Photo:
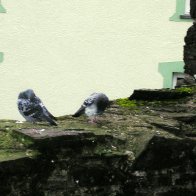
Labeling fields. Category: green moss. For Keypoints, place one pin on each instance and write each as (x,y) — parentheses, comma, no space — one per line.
(185,90)
(125,102)
(23,140)
(7,141)
(6,155)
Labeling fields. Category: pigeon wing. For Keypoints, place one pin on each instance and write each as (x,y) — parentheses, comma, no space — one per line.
(46,115)
(46,112)
(29,109)
(36,111)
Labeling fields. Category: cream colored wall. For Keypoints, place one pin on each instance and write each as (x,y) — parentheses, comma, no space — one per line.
(67,49)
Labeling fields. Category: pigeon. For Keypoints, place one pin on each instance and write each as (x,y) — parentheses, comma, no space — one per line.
(32,109)
(94,105)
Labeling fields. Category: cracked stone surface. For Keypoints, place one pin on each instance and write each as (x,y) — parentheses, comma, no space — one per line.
(138,147)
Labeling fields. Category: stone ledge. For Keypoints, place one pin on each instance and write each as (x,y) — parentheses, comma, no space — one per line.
(158,94)
(49,139)
(43,134)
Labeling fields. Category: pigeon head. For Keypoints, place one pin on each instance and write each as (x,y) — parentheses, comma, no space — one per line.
(28,94)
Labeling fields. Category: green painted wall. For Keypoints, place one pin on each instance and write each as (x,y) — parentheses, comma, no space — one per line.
(1,57)
(166,69)
(180,7)
(2,9)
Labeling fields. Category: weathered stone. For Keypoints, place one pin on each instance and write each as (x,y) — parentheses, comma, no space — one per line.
(163,165)
(186,118)
(193,9)
(44,134)
(164,94)
(190,49)
(189,79)
(190,37)
(138,148)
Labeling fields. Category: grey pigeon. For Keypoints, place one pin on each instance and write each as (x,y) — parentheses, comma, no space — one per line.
(32,109)
(94,105)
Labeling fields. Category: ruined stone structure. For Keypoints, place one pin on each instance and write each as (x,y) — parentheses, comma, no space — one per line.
(190,49)
(193,9)
(139,148)
(144,145)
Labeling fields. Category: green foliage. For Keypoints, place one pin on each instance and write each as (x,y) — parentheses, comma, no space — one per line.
(125,102)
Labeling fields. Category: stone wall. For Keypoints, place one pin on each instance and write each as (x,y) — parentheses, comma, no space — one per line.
(190,49)
(193,9)
(138,148)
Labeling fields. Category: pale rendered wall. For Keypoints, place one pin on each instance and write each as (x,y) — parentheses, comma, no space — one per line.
(67,49)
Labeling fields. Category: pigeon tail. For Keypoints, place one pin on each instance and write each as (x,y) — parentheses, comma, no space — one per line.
(51,116)
(48,113)
(52,122)
(79,112)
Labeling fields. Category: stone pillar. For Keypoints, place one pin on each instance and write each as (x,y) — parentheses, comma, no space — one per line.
(190,48)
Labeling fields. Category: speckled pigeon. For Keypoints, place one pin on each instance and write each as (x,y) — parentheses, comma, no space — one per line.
(32,109)
(94,105)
